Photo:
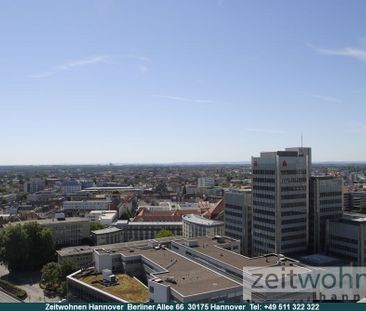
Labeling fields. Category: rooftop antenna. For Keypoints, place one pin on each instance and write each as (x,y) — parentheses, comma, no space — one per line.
(302,138)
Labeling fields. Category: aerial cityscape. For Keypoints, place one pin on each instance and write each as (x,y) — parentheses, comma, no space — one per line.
(204,154)
(176,227)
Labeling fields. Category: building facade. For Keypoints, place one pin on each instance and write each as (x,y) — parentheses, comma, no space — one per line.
(86,206)
(238,218)
(196,226)
(326,202)
(346,238)
(110,235)
(281,201)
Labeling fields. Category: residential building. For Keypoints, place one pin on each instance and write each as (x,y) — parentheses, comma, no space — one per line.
(196,226)
(281,201)
(326,202)
(238,218)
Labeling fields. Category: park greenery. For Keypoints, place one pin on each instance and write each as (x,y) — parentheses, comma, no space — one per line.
(96,225)
(163,233)
(26,246)
(53,278)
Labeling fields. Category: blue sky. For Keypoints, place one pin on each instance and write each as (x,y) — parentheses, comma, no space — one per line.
(169,81)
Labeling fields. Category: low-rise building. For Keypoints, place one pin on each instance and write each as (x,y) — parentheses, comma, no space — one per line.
(135,231)
(81,255)
(196,226)
(86,206)
(180,270)
(106,218)
(67,232)
(108,235)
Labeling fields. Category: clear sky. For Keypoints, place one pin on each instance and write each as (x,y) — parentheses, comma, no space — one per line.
(178,81)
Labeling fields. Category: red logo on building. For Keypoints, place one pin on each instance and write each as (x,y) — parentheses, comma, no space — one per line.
(284,163)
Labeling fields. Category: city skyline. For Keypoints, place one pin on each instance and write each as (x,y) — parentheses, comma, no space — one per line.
(89,82)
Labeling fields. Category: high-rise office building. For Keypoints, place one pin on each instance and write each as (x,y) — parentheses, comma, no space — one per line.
(346,238)
(281,201)
(326,202)
(238,218)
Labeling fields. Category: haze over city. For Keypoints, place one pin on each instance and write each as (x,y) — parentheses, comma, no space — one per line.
(180,81)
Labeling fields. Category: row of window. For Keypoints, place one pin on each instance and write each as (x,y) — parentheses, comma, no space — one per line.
(293,188)
(293,172)
(263,196)
(293,196)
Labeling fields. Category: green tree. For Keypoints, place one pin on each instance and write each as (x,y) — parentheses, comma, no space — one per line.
(96,225)
(26,247)
(22,196)
(51,276)
(40,245)
(14,247)
(54,276)
(163,233)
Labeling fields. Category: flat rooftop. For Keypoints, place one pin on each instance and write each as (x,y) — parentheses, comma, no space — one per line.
(155,223)
(51,221)
(128,288)
(128,188)
(106,230)
(213,248)
(75,250)
(188,275)
(199,220)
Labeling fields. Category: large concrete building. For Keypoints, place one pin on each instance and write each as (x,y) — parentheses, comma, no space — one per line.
(67,232)
(281,201)
(326,202)
(178,270)
(346,238)
(70,186)
(196,226)
(354,199)
(34,185)
(238,218)
(136,231)
(86,206)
